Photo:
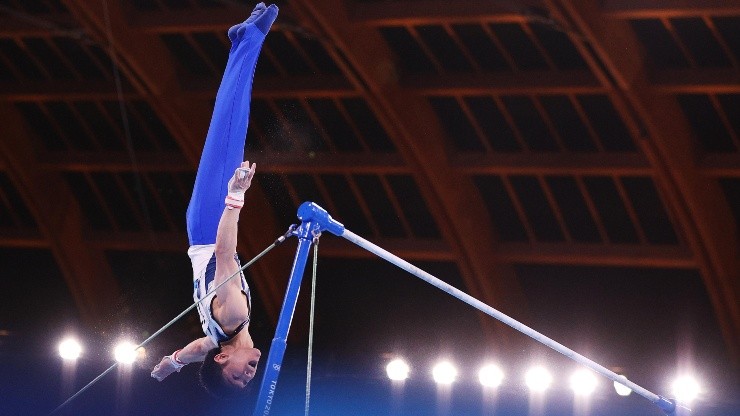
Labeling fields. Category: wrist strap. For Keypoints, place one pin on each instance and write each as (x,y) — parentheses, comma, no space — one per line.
(175,361)
(234,201)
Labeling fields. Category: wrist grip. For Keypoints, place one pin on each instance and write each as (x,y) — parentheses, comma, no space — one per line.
(175,361)
(234,200)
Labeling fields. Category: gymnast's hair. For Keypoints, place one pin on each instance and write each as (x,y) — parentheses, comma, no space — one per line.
(212,379)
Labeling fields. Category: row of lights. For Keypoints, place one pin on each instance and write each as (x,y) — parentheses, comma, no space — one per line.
(583,382)
(125,352)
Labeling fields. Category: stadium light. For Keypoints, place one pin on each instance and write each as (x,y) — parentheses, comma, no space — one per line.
(538,379)
(583,382)
(125,352)
(490,375)
(686,389)
(397,370)
(70,349)
(622,390)
(444,373)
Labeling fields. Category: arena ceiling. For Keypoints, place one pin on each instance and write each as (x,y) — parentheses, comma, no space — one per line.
(555,159)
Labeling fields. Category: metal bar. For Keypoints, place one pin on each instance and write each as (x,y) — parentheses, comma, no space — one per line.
(434,281)
(315,220)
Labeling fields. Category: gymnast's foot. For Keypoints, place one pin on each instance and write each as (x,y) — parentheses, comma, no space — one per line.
(262,17)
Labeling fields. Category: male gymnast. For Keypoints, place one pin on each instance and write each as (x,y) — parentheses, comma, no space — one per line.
(229,359)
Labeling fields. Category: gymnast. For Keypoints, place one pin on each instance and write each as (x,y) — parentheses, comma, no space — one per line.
(229,359)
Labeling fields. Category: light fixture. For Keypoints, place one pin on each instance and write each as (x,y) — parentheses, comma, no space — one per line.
(125,352)
(621,389)
(444,373)
(397,370)
(70,349)
(538,379)
(490,375)
(686,389)
(583,382)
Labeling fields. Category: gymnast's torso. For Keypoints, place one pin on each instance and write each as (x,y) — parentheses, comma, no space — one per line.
(204,270)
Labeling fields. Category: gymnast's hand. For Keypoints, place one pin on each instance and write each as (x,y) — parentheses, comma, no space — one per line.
(242,179)
(165,368)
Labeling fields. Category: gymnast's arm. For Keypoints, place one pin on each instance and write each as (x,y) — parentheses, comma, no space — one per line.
(193,352)
(229,307)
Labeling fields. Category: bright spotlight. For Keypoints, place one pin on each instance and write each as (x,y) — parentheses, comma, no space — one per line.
(70,349)
(686,389)
(490,375)
(621,389)
(444,373)
(125,352)
(397,370)
(538,379)
(583,382)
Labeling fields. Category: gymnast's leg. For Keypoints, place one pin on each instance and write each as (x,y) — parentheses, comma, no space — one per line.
(223,151)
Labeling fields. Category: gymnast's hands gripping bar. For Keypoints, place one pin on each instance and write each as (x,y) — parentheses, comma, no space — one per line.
(309,211)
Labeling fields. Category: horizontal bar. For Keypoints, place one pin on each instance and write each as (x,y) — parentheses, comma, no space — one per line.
(434,281)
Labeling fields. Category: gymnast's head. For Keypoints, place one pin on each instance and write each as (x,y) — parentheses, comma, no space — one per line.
(227,370)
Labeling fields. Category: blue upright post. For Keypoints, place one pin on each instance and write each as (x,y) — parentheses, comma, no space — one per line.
(314,220)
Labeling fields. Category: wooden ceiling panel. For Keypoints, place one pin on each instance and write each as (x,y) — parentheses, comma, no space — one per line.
(615,51)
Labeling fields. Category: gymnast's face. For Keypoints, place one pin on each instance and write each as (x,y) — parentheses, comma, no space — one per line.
(238,366)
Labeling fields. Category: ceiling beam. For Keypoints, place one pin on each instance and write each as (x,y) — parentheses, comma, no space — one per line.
(202,89)
(164,242)
(77,90)
(146,60)
(599,255)
(672,257)
(726,165)
(13,238)
(112,161)
(330,247)
(667,81)
(60,220)
(186,20)
(652,9)
(453,200)
(192,20)
(530,82)
(696,203)
(555,164)
(674,81)
(578,164)
(312,86)
(23,25)
(426,12)
(269,162)
(696,81)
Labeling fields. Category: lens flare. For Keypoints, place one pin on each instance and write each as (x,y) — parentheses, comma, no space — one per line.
(70,349)
(583,382)
(538,379)
(397,370)
(686,389)
(125,352)
(444,373)
(490,375)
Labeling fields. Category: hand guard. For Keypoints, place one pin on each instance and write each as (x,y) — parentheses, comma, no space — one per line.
(238,185)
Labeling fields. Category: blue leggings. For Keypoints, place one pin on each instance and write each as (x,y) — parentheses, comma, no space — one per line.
(223,151)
